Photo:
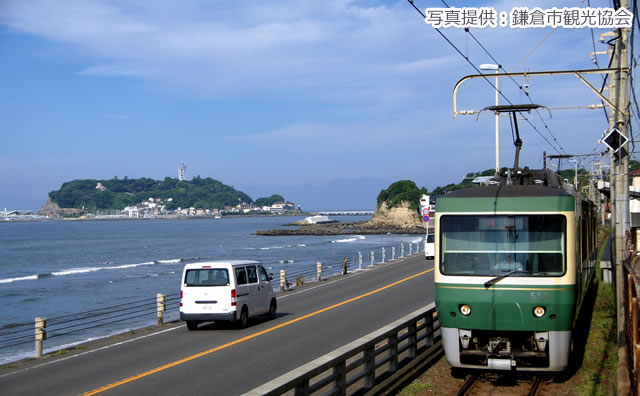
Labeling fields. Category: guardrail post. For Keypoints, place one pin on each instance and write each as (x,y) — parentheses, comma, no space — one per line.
(369,370)
(383,255)
(319,270)
(428,325)
(372,257)
(392,340)
(393,252)
(283,279)
(412,340)
(340,375)
(302,389)
(160,304)
(41,335)
(402,249)
(359,260)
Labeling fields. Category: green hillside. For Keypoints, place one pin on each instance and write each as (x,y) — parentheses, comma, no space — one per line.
(119,193)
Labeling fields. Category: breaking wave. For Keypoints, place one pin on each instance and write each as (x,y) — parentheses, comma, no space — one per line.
(85,270)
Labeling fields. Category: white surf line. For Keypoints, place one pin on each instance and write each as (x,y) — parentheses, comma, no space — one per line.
(91,351)
(357,272)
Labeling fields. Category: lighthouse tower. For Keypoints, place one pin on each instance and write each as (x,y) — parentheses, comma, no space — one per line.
(182,171)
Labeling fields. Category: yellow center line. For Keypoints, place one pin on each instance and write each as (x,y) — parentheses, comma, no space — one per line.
(238,341)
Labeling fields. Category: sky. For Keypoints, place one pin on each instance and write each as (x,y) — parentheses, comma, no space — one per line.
(324,102)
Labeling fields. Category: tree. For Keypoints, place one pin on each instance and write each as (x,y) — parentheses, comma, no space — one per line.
(268,201)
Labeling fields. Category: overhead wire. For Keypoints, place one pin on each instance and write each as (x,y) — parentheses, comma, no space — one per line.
(518,84)
(559,148)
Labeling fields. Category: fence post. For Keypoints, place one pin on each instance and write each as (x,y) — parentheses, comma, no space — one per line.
(402,249)
(428,321)
(359,260)
(372,257)
(369,370)
(410,248)
(283,279)
(340,381)
(392,340)
(383,255)
(412,340)
(41,335)
(393,252)
(160,304)
(319,270)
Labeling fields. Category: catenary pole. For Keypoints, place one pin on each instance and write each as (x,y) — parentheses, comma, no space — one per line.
(618,118)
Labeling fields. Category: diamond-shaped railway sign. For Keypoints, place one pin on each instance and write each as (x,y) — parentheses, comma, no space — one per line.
(615,140)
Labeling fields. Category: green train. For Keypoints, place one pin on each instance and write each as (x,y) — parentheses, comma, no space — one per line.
(513,262)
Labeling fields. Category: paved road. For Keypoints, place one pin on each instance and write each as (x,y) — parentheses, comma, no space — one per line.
(223,360)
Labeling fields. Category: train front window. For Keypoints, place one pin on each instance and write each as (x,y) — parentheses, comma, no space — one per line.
(529,245)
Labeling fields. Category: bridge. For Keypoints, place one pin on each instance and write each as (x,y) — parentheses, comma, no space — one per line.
(346,212)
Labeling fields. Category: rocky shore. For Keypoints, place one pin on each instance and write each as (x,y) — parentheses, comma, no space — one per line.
(344,228)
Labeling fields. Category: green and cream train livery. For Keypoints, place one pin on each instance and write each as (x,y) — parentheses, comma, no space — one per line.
(513,261)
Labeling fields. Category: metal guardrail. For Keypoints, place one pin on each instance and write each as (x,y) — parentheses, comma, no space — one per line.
(298,275)
(366,365)
(64,326)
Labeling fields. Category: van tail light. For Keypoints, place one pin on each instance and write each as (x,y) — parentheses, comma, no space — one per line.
(233,297)
(181,297)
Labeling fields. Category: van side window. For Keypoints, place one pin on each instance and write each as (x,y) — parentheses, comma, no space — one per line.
(251,272)
(263,274)
(241,276)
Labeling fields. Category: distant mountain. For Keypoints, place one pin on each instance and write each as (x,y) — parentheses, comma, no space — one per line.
(91,194)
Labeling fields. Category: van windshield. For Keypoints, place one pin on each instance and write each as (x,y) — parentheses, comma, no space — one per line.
(207,277)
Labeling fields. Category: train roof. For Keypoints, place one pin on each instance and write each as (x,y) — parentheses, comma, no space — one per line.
(524,183)
(526,191)
(507,191)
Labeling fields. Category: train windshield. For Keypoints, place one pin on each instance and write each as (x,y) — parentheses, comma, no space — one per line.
(528,245)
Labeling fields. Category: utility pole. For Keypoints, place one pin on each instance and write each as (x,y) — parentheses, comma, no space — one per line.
(618,118)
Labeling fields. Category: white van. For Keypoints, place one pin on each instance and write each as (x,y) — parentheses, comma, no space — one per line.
(230,290)
(429,246)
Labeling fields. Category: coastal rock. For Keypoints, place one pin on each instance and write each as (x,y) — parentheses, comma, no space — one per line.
(49,208)
(401,216)
(52,209)
(346,228)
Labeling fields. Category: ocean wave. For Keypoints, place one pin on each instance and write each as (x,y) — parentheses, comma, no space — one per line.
(275,247)
(286,261)
(85,270)
(21,278)
(351,239)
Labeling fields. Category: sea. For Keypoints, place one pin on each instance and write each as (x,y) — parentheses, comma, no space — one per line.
(57,269)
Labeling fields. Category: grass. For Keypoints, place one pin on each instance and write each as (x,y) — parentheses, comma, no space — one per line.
(417,388)
(597,374)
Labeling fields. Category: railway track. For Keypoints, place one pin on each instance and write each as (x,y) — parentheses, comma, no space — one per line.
(487,383)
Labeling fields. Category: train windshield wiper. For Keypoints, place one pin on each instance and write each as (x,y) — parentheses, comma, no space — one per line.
(498,278)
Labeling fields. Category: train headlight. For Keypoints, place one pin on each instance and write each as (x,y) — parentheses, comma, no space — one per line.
(539,311)
(465,310)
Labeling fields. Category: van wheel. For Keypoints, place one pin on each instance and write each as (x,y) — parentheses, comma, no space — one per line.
(192,324)
(244,318)
(272,309)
